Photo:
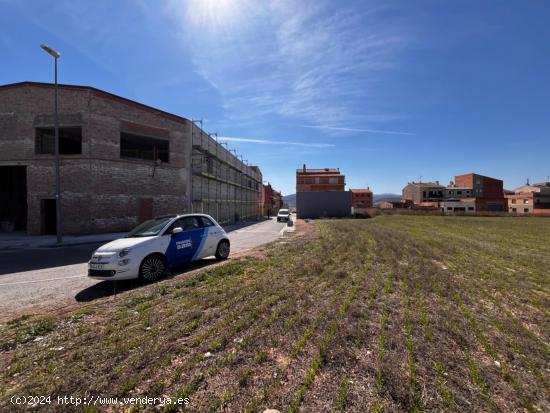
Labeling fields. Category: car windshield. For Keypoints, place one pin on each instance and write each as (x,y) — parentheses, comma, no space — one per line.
(149,228)
(283,211)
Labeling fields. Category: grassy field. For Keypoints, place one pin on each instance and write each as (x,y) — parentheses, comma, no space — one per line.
(396,313)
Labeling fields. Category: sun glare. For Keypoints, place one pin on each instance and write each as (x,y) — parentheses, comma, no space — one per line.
(213,12)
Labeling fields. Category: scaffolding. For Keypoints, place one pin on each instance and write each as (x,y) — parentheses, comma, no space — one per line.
(223,184)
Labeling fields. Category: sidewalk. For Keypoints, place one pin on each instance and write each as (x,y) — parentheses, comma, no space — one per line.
(10,241)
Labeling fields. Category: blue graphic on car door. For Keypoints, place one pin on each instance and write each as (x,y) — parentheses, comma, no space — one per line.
(184,246)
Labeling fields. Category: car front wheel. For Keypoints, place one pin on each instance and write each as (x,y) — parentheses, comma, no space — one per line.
(222,252)
(152,268)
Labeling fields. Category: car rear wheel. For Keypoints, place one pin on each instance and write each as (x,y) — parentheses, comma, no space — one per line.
(222,252)
(152,268)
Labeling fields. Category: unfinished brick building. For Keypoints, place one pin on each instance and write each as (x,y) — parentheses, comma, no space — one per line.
(121,162)
(488,192)
(361,198)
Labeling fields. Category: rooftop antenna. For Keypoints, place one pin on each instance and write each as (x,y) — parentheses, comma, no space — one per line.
(420,179)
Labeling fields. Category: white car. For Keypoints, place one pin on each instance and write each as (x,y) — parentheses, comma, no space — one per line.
(157,245)
(283,215)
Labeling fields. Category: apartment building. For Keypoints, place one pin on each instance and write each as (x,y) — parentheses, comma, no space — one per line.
(319,180)
(530,199)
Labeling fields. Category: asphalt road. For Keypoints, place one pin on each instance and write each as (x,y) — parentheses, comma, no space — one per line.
(52,278)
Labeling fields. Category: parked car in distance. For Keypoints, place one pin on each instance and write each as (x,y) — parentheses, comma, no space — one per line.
(283,215)
(157,245)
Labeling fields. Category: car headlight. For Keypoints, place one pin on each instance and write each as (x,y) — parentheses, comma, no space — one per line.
(124,252)
(124,261)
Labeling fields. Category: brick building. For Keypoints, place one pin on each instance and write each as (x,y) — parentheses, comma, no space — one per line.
(419,192)
(121,162)
(321,193)
(361,198)
(488,192)
(319,180)
(530,199)
(272,201)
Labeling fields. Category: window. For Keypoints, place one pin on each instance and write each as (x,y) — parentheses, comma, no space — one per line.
(209,165)
(513,201)
(140,147)
(470,208)
(186,224)
(525,209)
(70,140)
(333,180)
(449,208)
(150,228)
(206,222)
(514,210)
(459,192)
(526,201)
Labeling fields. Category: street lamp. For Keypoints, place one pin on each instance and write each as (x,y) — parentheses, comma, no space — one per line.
(56,55)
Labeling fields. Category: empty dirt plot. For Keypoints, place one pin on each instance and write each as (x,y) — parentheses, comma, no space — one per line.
(396,313)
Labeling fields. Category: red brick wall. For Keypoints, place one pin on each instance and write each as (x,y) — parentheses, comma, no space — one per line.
(318,182)
(364,198)
(100,191)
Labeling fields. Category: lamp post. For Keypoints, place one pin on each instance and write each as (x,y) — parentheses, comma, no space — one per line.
(56,55)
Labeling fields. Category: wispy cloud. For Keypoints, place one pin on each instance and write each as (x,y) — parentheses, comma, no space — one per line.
(274,142)
(311,60)
(360,130)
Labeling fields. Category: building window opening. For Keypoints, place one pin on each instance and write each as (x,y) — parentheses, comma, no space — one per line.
(209,165)
(141,147)
(70,140)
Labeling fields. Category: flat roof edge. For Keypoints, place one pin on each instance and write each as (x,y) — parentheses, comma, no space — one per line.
(98,91)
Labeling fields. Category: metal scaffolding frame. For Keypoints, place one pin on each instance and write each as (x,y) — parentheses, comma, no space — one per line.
(223,184)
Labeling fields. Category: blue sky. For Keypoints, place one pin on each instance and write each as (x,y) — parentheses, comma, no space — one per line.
(387,91)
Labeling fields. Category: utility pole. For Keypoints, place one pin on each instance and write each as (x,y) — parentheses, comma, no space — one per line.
(56,55)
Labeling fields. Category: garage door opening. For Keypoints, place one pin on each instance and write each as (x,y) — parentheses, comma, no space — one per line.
(49,217)
(13,198)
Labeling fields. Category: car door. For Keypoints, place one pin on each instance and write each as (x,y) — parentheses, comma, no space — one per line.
(210,238)
(183,246)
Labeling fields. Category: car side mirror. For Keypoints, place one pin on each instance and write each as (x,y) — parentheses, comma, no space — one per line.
(177,230)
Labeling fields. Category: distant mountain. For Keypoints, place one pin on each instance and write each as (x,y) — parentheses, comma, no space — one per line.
(290,200)
(379,198)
